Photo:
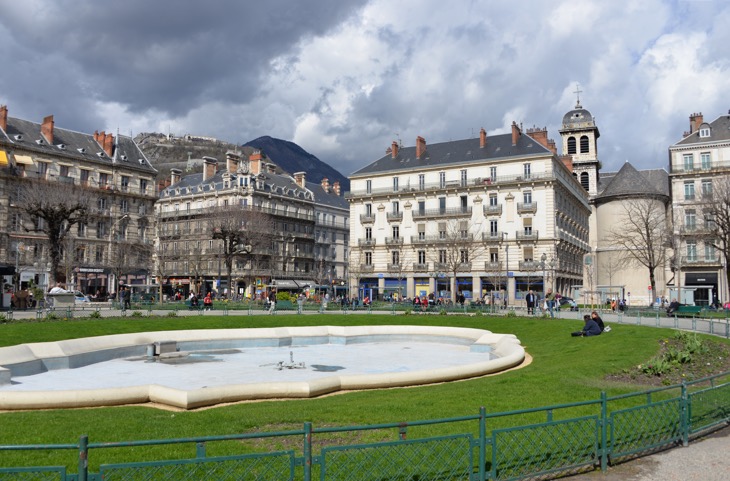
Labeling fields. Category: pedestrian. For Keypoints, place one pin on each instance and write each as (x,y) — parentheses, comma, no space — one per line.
(300,303)
(530,298)
(272,302)
(550,300)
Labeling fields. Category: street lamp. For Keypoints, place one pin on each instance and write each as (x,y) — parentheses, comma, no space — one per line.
(506,269)
(543,258)
(111,235)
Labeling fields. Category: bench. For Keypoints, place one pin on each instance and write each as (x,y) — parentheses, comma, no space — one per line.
(685,311)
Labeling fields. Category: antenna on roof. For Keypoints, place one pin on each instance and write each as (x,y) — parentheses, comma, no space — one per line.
(397,136)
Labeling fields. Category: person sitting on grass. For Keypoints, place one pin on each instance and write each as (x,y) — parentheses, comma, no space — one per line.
(589,329)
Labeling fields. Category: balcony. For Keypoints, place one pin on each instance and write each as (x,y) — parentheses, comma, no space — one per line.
(366,242)
(367,268)
(395,267)
(530,266)
(492,266)
(526,207)
(419,239)
(450,212)
(367,218)
(700,260)
(527,236)
(493,209)
(65,179)
(492,236)
(393,241)
(420,267)
(694,229)
(395,216)
(440,266)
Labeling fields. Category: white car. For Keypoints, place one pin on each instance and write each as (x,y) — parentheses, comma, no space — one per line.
(81,298)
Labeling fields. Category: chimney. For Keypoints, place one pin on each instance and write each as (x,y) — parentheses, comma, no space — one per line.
(326,184)
(695,120)
(210,165)
(99,137)
(420,146)
(336,187)
(4,118)
(300,178)
(255,162)
(96,135)
(109,144)
(540,136)
(175,175)
(553,148)
(567,161)
(232,160)
(47,128)
(515,133)
(394,149)
(272,168)
(482,138)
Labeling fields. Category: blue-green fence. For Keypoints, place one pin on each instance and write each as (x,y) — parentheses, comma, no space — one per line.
(545,441)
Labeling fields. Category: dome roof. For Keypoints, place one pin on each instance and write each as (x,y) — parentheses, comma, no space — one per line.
(578,117)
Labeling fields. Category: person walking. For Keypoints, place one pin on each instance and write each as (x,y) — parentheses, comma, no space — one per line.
(530,298)
(550,300)
(272,302)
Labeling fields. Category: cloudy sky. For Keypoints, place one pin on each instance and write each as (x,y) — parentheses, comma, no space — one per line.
(344,78)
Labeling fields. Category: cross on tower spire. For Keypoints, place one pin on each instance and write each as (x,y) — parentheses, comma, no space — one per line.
(577,93)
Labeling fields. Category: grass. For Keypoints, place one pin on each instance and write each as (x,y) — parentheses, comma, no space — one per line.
(564,370)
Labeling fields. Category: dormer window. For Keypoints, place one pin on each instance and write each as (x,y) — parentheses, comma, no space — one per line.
(61,146)
(100,154)
(19,137)
(704,132)
(123,157)
(39,141)
(81,150)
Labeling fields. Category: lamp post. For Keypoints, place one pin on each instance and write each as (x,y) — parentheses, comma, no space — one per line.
(543,258)
(506,269)
(111,253)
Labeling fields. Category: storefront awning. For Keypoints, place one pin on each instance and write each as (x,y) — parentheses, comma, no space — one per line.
(292,284)
(3,158)
(23,159)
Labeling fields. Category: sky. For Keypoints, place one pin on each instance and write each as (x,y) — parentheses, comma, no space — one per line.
(345,78)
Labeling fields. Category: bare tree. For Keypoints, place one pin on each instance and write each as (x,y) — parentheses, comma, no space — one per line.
(456,250)
(355,269)
(242,231)
(642,234)
(716,210)
(397,265)
(53,209)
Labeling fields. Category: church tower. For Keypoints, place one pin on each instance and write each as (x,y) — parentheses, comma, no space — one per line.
(580,142)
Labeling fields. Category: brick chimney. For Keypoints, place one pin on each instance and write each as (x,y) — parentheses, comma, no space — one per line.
(515,133)
(300,178)
(109,144)
(47,128)
(420,146)
(255,162)
(99,137)
(540,135)
(482,138)
(175,176)
(553,148)
(326,184)
(394,149)
(567,161)
(336,187)
(4,118)
(210,165)
(232,160)
(695,120)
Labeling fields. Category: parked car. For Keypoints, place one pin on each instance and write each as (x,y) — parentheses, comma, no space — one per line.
(80,298)
(567,303)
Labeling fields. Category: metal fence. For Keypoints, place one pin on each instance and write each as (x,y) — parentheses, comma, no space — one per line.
(542,442)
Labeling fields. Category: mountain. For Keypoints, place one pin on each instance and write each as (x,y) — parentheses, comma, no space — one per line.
(292,158)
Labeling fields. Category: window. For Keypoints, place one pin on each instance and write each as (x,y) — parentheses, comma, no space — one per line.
(442,256)
(585,180)
(493,255)
(84,177)
(492,200)
(709,252)
(705,132)
(442,180)
(527,226)
(707,188)
(81,229)
(691,251)
(709,221)
(690,219)
(421,231)
(421,182)
(368,233)
(527,197)
(421,257)
(493,228)
(99,254)
(689,190)
(464,200)
(42,170)
(442,204)
(706,160)
(395,231)
(100,229)
(368,258)
(526,170)
(463,256)
(124,205)
(142,186)
(464,229)
(395,184)
(463,177)
(124,183)
(584,144)
(395,258)
(142,231)
(368,210)
(528,254)
(39,223)
(422,207)
(369,186)
(442,230)
(103,180)
(689,162)
(396,207)
(571,146)
(493,174)
(64,171)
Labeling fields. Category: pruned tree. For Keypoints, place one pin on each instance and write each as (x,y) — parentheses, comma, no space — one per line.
(53,209)
(242,231)
(355,269)
(399,259)
(456,250)
(716,210)
(642,232)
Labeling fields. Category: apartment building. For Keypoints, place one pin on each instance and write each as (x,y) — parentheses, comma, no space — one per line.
(306,234)
(699,164)
(488,216)
(111,170)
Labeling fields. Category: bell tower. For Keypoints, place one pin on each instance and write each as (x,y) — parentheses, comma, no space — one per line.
(579,135)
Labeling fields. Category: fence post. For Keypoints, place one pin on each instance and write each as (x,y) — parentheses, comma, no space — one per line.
(604,432)
(307,451)
(83,457)
(684,415)
(482,444)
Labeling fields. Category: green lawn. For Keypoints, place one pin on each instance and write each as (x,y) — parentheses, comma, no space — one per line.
(563,370)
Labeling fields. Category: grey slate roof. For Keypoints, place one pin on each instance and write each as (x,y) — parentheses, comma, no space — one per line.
(719,131)
(456,152)
(24,134)
(629,182)
(330,199)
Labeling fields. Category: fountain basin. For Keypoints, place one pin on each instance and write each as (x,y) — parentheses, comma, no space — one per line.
(389,358)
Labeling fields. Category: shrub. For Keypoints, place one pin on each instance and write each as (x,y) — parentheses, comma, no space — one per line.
(408,312)
(52,316)
(283,296)
(172,314)
(136,314)
(95,315)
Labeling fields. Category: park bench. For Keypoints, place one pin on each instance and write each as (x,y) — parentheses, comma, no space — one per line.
(687,311)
